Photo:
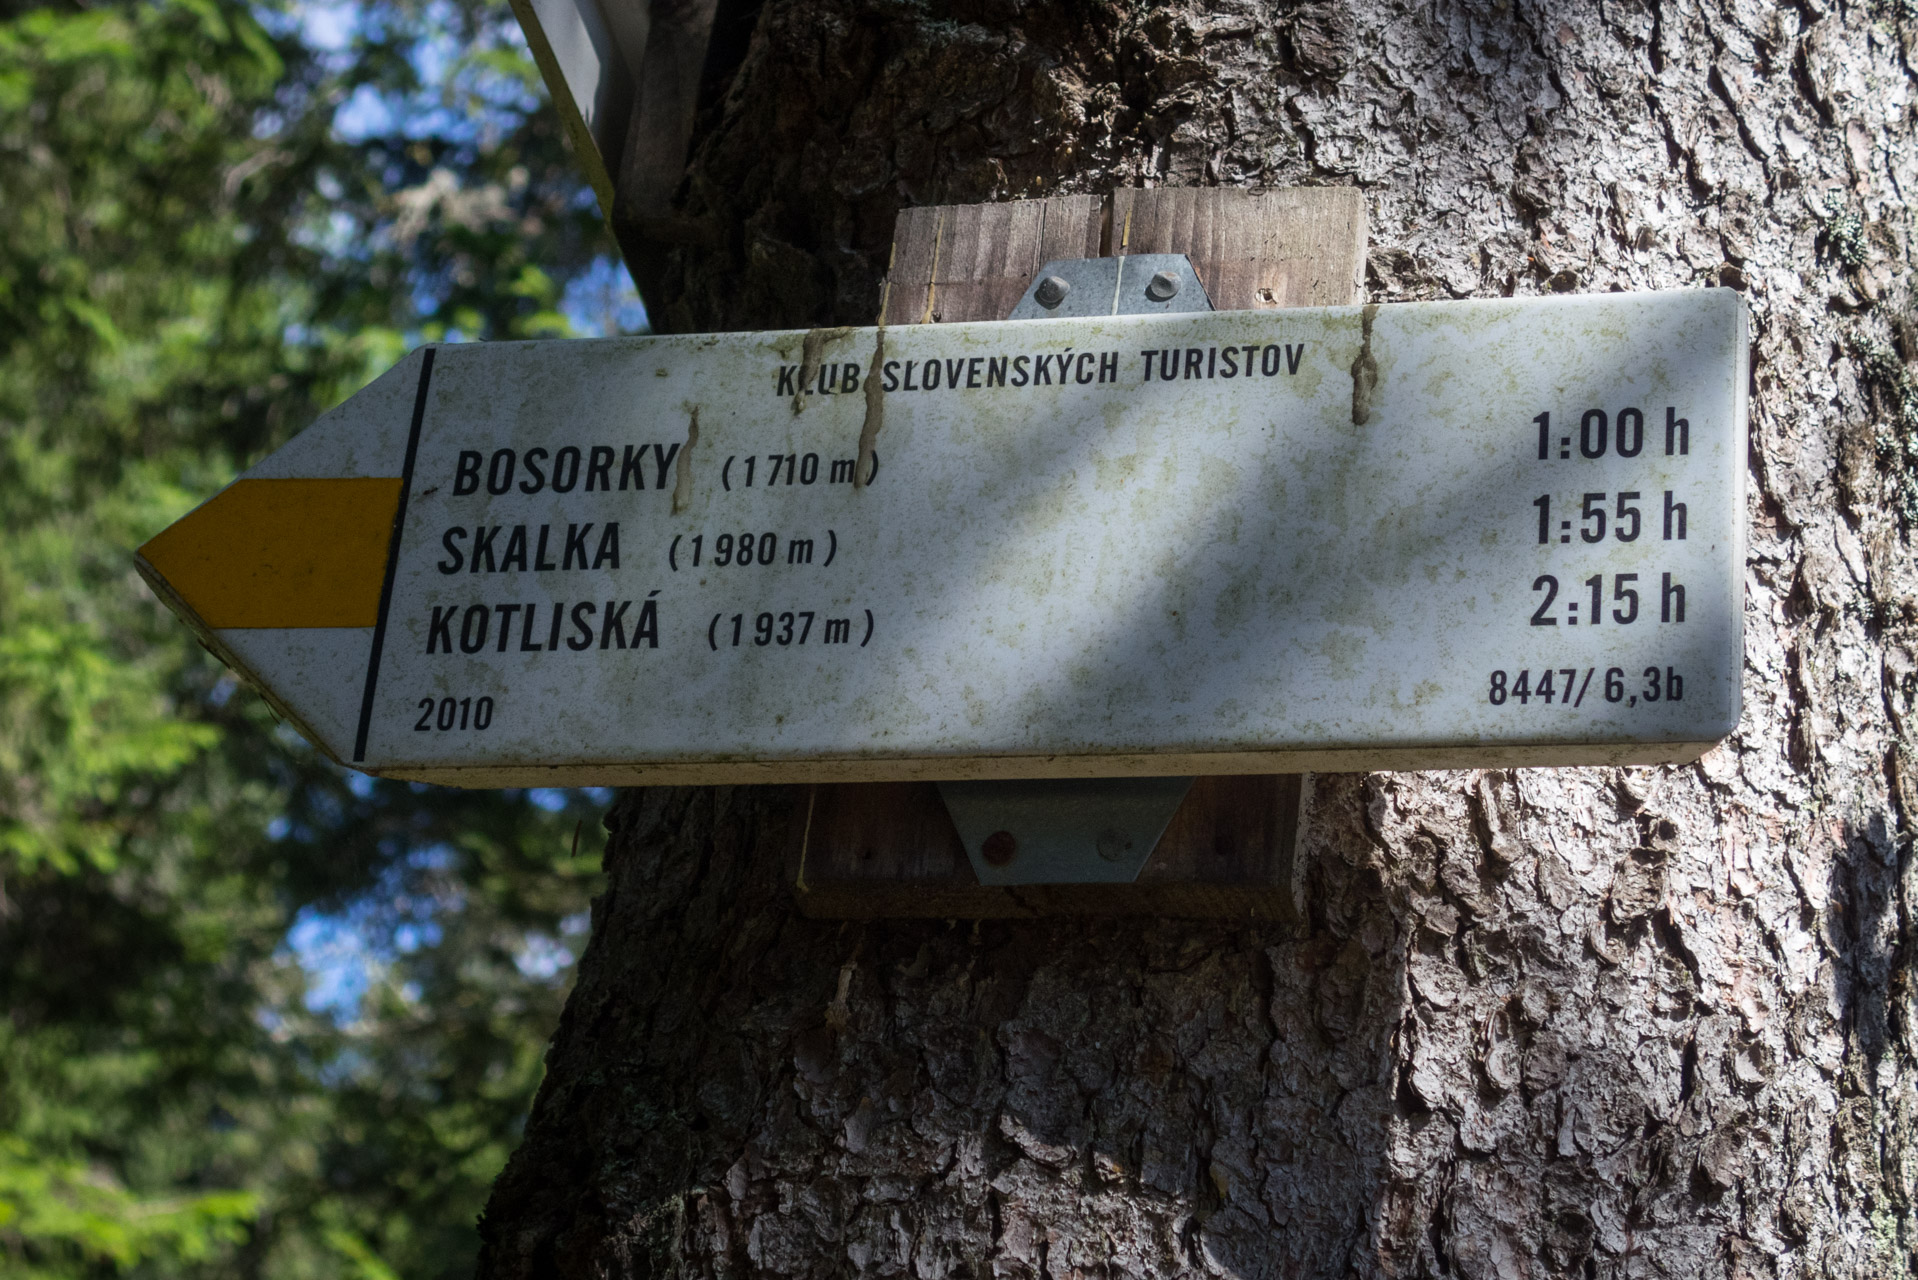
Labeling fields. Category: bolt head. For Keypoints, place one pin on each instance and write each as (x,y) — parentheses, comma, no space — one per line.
(1163,287)
(999,849)
(1051,292)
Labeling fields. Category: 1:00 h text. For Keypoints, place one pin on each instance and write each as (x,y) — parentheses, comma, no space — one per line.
(1598,434)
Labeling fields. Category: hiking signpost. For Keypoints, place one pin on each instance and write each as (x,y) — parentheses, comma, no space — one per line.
(1407,536)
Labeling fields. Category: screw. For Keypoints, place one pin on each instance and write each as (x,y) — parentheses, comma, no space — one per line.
(1163,287)
(999,848)
(1111,845)
(1051,292)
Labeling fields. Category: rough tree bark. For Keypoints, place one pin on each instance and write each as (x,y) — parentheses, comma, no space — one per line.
(1589,1022)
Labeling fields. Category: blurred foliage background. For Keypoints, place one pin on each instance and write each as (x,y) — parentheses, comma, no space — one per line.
(262,1017)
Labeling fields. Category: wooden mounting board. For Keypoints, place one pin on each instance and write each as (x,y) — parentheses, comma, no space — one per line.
(875,850)
(886,849)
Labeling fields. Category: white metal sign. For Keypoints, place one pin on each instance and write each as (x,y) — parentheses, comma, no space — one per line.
(1412,536)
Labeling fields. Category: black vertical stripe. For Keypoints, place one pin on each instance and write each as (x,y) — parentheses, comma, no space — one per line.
(392,558)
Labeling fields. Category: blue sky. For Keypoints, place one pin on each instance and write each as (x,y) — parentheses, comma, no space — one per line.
(344,952)
(601,301)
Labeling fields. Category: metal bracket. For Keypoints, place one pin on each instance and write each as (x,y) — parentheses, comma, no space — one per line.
(1145,284)
(1062,830)
(1079,830)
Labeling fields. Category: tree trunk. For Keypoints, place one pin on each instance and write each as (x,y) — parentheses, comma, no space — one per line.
(1599,1022)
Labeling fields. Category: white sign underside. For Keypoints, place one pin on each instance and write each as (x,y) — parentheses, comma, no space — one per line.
(1335,538)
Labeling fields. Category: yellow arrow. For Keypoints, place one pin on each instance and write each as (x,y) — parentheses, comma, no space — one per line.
(281,553)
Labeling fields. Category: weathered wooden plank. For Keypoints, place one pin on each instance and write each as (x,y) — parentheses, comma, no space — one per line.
(953,263)
(916,237)
(1297,247)
(869,850)
(1231,832)
(880,850)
